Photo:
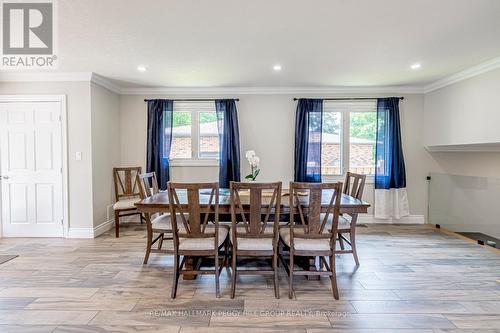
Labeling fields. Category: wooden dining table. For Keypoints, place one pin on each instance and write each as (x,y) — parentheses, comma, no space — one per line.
(159,203)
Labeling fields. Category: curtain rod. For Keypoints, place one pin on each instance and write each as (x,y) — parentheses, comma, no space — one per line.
(196,100)
(348,98)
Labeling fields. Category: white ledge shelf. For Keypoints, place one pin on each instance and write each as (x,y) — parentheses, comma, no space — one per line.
(472,147)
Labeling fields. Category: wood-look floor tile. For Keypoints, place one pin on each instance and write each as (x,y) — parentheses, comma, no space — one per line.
(45,317)
(275,320)
(188,329)
(15,303)
(391,321)
(116,329)
(26,328)
(48,292)
(490,321)
(369,330)
(409,307)
(96,302)
(448,295)
(482,307)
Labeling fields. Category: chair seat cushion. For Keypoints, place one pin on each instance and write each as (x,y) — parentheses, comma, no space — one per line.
(126,203)
(254,244)
(303,244)
(344,222)
(196,244)
(162,222)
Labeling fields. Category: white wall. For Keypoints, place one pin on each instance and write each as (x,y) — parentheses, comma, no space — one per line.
(467,112)
(79,139)
(267,126)
(105,119)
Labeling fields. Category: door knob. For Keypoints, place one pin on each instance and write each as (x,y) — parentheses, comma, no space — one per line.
(5,177)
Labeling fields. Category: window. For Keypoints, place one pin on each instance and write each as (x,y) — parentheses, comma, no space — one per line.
(181,135)
(195,134)
(348,137)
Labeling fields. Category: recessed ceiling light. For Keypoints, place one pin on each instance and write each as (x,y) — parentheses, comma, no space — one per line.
(141,68)
(277,68)
(416,66)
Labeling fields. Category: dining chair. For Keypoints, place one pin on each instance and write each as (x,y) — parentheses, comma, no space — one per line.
(354,185)
(312,237)
(126,194)
(161,224)
(252,233)
(196,238)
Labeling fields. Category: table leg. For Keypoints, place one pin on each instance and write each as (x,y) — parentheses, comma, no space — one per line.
(312,267)
(190,264)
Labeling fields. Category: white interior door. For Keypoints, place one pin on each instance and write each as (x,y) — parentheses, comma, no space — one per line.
(31,169)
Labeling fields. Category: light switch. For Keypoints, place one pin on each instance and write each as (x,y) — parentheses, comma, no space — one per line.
(78,155)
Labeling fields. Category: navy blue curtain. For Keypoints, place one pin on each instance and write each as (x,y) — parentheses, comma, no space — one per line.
(229,141)
(390,164)
(308,127)
(160,119)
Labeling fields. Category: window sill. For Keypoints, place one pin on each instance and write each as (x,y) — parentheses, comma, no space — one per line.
(370,179)
(194,163)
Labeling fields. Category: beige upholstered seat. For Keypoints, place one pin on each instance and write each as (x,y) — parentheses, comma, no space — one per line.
(255,244)
(126,203)
(344,222)
(164,222)
(302,244)
(203,243)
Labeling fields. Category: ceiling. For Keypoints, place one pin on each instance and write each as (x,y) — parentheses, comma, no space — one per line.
(235,43)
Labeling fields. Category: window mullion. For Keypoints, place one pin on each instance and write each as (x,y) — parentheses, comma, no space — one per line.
(195,130)
(345,140)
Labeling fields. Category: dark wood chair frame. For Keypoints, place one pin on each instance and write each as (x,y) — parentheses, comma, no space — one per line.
(194,227)
(354,186)
(255,227)
(313,227)
(148,185)
(125,188)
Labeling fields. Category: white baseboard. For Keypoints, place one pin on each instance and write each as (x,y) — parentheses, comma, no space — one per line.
(103,227)
(411,219)
(81,233)
(90,232)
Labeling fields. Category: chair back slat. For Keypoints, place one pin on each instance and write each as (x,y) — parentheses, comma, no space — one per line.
(257,206)
(310,208)
(190,211)
(125,180)
(147,183)
(354,185)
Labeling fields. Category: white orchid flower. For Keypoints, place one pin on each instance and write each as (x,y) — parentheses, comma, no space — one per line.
(255,161)
(250,154)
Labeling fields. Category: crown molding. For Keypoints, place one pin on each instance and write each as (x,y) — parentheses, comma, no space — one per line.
(45,76)
(59,77)
(464,75)
(105,83)
(200,91)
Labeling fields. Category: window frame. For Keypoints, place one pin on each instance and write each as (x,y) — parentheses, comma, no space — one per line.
(345,142)
(195,108)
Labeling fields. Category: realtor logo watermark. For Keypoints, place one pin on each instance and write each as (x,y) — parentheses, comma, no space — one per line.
(28,35)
